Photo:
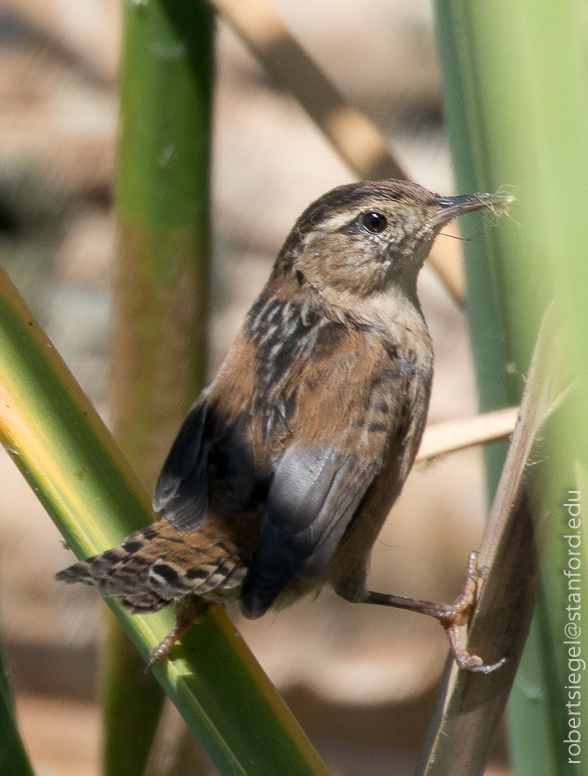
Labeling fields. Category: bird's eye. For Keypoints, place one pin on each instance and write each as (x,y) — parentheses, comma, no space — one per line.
(374,222)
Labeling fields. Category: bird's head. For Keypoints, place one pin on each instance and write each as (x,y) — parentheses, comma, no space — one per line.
(364,238)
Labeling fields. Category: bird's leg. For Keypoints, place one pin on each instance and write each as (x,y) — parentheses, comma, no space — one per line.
(188,610)
(451,616)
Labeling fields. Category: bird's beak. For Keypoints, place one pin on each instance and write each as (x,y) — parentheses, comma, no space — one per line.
(450,207)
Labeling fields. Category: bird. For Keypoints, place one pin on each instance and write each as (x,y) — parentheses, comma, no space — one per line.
(288,463)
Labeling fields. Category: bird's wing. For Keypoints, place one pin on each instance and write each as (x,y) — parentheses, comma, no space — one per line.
(314,495)
(182,488)
(212,462)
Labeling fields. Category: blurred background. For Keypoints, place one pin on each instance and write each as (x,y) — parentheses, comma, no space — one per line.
(360,679)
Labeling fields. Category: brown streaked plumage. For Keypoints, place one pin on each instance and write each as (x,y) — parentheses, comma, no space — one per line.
(285,469)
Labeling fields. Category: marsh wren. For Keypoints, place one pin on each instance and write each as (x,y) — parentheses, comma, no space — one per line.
(287,465)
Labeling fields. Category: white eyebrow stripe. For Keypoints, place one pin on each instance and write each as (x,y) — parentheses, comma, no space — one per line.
(340,219)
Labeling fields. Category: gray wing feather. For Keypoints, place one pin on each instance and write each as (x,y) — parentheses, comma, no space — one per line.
(312,500)
(206,446)
(182,488)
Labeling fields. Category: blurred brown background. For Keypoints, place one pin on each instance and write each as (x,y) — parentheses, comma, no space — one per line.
(361,679)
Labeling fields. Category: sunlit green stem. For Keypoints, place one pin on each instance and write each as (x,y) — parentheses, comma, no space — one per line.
(516,100)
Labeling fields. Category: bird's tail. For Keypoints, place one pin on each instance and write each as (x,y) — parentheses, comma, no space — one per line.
(159,564)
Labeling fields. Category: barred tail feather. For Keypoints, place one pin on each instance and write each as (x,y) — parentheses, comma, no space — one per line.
(157,565)
(79,572)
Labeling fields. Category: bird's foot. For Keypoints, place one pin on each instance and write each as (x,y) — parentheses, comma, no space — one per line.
(188,611)
(453,616)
